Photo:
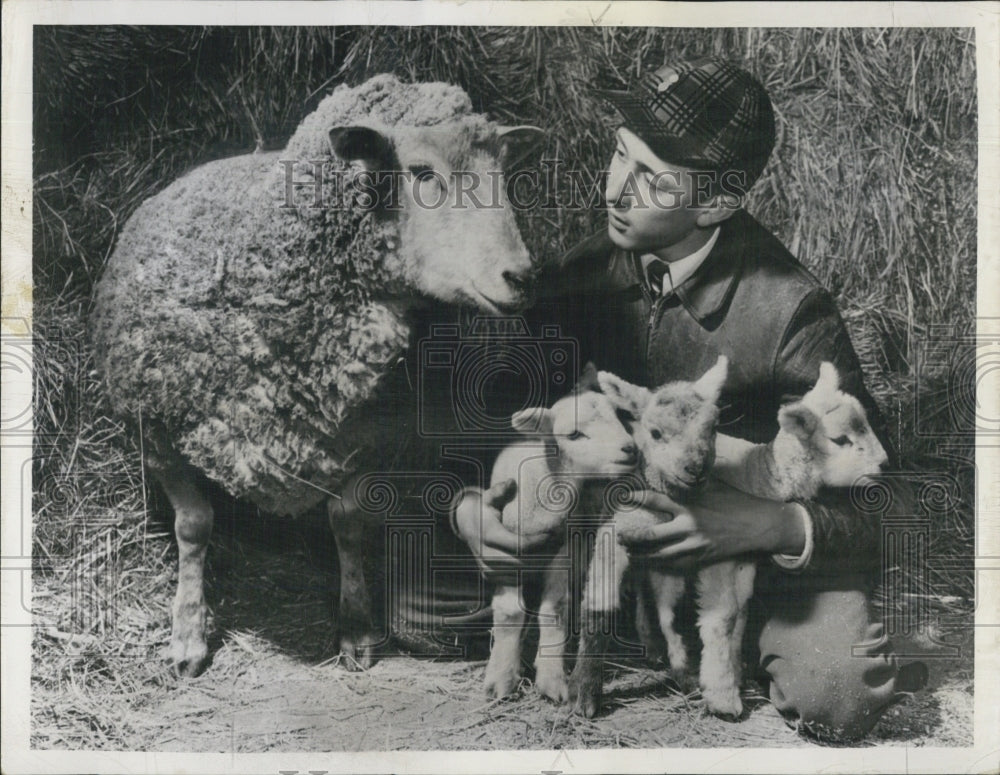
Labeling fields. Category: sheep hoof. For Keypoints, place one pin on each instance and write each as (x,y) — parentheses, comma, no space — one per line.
(584,696)
(188,656)
(501,683)
(553,685)
(723,701)
(357,652)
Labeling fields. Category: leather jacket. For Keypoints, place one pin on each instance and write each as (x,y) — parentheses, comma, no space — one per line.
(750,300)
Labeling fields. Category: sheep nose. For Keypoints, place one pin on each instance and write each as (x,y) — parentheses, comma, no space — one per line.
(519,282)
(630,450)
(695,470)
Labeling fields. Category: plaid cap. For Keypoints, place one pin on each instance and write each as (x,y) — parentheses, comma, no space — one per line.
(705,114)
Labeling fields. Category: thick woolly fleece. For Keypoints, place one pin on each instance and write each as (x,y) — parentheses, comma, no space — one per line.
(250,339)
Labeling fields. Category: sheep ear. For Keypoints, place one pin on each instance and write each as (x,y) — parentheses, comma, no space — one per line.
(364,144)
(517,143)
(709,387)
(799,420)
(536,421)
(588,379)
(625,396)
(829,377)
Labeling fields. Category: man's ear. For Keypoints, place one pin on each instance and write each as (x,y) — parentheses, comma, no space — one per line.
(722,207)
(625,396)
(799,420)
(537,421)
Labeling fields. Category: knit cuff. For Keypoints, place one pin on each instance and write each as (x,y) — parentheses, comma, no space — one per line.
(791,562)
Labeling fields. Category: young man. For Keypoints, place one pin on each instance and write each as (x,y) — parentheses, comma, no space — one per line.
(681,275)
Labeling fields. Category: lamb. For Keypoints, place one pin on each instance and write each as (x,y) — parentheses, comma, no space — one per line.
(253,318)
(574,450)
(824,439)
(674,429)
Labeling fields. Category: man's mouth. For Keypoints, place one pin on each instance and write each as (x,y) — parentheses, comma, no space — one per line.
(617,222)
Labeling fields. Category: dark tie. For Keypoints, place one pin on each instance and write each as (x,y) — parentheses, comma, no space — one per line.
(655,272)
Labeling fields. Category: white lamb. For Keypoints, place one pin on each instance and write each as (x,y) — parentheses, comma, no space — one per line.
(572,452)
(824,439)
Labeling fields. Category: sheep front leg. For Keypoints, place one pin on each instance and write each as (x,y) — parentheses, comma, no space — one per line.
(668,589)
(549,675)
(718,611)
(600,600)
(359,612)
(503,672)
(193,519)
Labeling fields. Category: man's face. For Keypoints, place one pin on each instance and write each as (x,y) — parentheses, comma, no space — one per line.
(650,201)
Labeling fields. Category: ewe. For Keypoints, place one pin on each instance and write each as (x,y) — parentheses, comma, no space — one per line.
(253,318)
(575,450)
(674,428)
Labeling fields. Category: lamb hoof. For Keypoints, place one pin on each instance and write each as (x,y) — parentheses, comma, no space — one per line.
(584,697)
(723,701)
(188,656)
(553,685)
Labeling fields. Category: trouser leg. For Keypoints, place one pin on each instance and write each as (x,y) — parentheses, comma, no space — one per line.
(832,670)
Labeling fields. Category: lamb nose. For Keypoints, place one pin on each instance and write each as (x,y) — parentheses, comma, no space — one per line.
(696,470)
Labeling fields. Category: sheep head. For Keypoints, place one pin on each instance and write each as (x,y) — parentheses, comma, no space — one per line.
(832,428)
(584,426)
(457,236)
(673,426)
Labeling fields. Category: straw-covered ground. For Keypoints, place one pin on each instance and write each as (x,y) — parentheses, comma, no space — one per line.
(872,185)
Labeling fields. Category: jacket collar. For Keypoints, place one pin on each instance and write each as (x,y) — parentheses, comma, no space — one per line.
(705,294)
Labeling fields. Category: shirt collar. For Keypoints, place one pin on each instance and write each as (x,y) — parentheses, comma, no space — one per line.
(682,269)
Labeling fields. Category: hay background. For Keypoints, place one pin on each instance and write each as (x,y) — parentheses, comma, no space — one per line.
(872,185)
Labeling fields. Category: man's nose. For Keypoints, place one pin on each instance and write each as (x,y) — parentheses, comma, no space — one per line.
(615,187)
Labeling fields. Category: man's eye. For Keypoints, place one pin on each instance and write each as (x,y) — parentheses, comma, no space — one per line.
(656,434)
(842,441)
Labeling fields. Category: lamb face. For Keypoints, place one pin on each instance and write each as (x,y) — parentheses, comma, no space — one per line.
(589,437)
(674,428)
(458,239)
(833,429)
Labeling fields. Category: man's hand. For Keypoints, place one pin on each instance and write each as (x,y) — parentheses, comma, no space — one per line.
(720,523)
(477,521)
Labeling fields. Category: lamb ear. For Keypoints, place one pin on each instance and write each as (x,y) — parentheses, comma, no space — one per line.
(709,387)
(588,379)
(625,396)
(361,143)
(829,377)
(799,420)
(537,421)
(517,143)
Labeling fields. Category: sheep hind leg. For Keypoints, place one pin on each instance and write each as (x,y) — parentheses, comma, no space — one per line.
(193,519)
(358,611)
(717,614)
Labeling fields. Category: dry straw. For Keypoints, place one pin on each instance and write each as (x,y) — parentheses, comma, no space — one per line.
(872,185)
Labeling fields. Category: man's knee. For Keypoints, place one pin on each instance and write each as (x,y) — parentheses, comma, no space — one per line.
(832,671)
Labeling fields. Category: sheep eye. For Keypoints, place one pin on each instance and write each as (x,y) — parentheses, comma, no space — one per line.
(576,435)
(422,173)
(656,434)
(842,441)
